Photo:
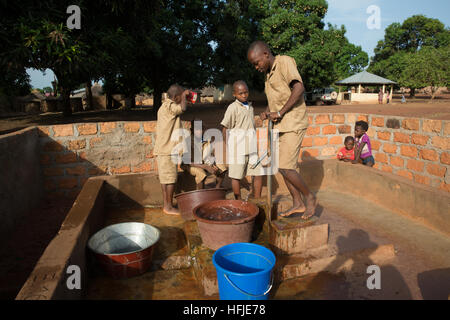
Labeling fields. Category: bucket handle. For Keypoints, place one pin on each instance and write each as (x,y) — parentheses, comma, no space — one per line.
(249,294)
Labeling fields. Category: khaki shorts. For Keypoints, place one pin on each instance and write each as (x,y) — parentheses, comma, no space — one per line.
(198,173)
(289,148)
(238,171)
(167,170)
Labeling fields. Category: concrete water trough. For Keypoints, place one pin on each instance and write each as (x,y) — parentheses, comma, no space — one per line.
(365,218)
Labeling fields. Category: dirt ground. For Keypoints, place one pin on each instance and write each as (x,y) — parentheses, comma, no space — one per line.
(19,256)
(211,114)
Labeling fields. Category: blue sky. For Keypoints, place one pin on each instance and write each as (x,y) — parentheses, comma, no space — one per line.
(353,14)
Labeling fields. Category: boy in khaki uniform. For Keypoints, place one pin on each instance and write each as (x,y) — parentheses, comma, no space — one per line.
(208,162)
(287,109)
(241,142)
(166,154)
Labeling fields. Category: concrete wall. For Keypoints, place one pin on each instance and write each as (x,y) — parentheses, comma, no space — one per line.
(20,177)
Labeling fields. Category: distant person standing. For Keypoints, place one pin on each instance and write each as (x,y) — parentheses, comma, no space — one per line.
(403,98)
(380,96)
(388,96)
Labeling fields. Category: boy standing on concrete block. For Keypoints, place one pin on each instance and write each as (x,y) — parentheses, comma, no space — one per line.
(165,148)
(287,109)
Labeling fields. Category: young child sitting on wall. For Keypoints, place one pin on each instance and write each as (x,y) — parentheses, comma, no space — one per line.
(168,123)
(347,153)
(363,149)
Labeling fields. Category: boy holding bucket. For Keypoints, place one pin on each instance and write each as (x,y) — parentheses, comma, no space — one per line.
(241,141)
(168,123)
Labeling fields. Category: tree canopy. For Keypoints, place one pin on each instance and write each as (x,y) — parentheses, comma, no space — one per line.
(148,45)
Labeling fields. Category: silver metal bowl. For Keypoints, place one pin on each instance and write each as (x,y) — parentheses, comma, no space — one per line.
(124,238)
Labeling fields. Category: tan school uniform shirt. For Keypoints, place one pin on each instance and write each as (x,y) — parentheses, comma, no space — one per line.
(240,120)
(168,122)
(283,72)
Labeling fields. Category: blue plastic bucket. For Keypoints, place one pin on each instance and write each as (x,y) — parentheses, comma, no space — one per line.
(244,271)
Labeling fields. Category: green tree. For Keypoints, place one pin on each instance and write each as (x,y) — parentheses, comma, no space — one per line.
(393,53)
(428,67)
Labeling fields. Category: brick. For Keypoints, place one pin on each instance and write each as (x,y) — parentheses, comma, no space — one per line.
(401,137)
(441,142)
(68,183)
(66,158)
(151,155)
(132,126)
(97,171)
(393,123)
(445,158)
(120,170)
(82,156)
(436,170)
(338,140)
(147,139)
(309,153)
(397,161)
(363,118)
(87,129)
(326,152)
(404,173)
(107,127)
(320,141)
(377,166)
(387,168)
(381,157)
(310,120)
(322,119)
(444,186)
(44,131)
(77,144)
(432,126)
(45,159)
(307,142)
(53,146)
(447,129)
(95,141)
(329,130)
(344,129)
(428,154)
(63,130)
(338,118)
(408,151)
(143,167)
(411,124)
(53,172)
(375,145)
(150,126)
(419,139)
(422,179)
(384,135)
(415,165)
(389,148)
(50,184)
(351,118)
(377,122)
(371,132)
(76,171)
(312,131)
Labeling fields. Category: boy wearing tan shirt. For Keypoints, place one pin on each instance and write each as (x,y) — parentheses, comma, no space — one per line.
(284,90)
(241,141)
(165,148)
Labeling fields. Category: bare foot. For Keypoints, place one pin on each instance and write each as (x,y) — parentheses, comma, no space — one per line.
(311,204)
(171,211)
(300,208)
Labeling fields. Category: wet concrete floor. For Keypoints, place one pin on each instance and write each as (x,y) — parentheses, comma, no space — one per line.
(412,274)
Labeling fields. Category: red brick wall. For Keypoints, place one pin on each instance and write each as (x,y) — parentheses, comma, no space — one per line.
(418,149)
(71,153)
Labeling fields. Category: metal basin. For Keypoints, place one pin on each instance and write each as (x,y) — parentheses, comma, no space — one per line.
(125,249)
